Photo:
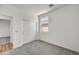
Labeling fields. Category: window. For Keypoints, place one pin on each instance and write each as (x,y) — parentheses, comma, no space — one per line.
(44,24)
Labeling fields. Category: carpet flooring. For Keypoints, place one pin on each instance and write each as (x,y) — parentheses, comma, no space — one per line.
(38,47)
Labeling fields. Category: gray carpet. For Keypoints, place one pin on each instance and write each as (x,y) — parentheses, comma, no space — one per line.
(39,48)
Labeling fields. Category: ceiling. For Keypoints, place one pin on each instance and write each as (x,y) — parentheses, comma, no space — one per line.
(34,9)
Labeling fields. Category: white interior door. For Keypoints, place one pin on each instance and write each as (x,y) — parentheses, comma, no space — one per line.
(28,31)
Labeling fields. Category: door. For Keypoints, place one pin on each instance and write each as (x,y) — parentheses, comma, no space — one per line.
(28,31)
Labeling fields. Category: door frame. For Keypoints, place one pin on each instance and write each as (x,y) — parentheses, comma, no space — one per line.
(8,18)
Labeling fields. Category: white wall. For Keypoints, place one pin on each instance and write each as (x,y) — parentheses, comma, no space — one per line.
(77,26)
(63,27)
(16,23)
(4,28)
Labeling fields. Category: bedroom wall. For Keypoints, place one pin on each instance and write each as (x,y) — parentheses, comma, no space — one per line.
(63,27)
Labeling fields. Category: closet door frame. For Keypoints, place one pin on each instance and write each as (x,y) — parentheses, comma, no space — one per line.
(8,18)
